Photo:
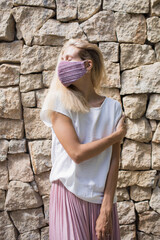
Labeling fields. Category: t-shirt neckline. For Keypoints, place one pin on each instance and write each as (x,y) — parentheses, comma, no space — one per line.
(92,108)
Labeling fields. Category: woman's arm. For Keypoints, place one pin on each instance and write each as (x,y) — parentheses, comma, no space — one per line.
(65,132)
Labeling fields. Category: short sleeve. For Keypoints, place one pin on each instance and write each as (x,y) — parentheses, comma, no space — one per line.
(45,113)
(119,113)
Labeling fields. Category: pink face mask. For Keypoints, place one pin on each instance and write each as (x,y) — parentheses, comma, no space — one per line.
(69,72)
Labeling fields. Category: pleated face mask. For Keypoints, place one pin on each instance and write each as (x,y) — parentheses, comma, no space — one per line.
(69,72)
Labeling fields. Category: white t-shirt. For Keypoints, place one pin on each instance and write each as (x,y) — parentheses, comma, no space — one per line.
(87,179)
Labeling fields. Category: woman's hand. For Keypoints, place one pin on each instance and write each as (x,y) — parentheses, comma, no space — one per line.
(104,225)
(121,126)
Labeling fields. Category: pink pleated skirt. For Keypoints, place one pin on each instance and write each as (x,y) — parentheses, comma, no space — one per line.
(72,218)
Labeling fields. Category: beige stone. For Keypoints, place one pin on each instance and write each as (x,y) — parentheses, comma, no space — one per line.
(3,175)
(38,3)
(155,7)
(155,200)
(28,219)
(47,77)
(28,99)
(142,206)
(34,186)
(134,55)
(45,233)
(4,144)
(9,75)
(11,129)
(6,26)
(10,105)
(138,130)
(122,194)
(33,124)
(66,10)
(135,155)
(30,82)
(2,199)
(128,232)
(19,167)
(7,229)
(24,16)
(113,75)
(157,50)
(110,51)
(14,53)
(40,152)
(153,29)
(17,146)
(100,27)
(140,193)
(6,4)
(139,6)
(111,93)
(126,212)
(153,124)
(143,79)
(55,33)
(38,58)
(40,96)
(155,156)
(21,196)
(30,235)
(139,178)
(135,105)
(86,9)
(43,183)
(153,110)
(144,236)
(46,199)
(130,28)
(156,136)
(149,222)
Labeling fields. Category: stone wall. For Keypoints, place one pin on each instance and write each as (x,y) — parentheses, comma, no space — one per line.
(31,36)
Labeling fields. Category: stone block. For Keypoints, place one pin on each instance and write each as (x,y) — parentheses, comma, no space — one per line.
(45,233)
(122,194)
(36,3)
(43,183)
(110,51)
(153,110)
(157,50)
(40,96)
(3,175)
(126,212)
(17,146)
(7,30)
(156,136)
(7,229)
(142,206)
(140,193)
(113,75)
(30,82)
(47,77)
(128,232)
(2,199)
(28,99)
(155,200)
(9,75)
(66,10)
(46,199)
(155,7)
(86,9)
(4,144)
(11,129)
(14,53)
(153,29)
(155,156)
(30,235)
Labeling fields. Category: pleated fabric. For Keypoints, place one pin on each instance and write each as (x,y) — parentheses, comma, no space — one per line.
(72,218)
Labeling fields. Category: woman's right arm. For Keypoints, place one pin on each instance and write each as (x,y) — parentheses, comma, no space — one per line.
(67,136)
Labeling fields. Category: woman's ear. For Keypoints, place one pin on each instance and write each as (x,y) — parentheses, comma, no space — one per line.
(88,65)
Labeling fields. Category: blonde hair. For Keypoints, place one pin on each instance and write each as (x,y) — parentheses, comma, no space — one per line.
(71,98)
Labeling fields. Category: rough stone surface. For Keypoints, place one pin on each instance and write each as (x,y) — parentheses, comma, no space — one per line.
(155,200)
(153,124)
(140,193)
(139,6)
(143,79)
(40,155)
(153,110)
(33,124)
(128,232)
(14,53)
(142,206)
(6,26)
(156,136)
(43,183)
(155,7)
(66,10)
(134,55)
(24,16)
(110,51)
(11,129)
(2,199)
(153,29)
(157,51)
(122,194)
(38,58)
(135,155)
(100,27)
(29,235)
(126,212)
(28,219)
(4,144)
(155,156)
(40,95)
(9,75)
(19,167)
(46,199)
(135,105)
(21,196)
(111,93)
(144,236)
(3,175)
(139,178)
(55,33)
(7,230)
(47,78)
(6,4)
(17,146)
(45,233)
(130,28)
(42,3)
(30,82)
(10,105)
(138,130)
(87,8)
(149,222)
(28,99)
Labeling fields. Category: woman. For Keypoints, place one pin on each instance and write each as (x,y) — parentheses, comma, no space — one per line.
(86,133)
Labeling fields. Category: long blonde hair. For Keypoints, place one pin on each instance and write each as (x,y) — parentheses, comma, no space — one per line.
(71,98)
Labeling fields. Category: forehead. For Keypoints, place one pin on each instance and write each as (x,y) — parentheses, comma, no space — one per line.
(71,50)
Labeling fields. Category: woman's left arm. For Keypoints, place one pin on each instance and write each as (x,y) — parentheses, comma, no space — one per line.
(104,222)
